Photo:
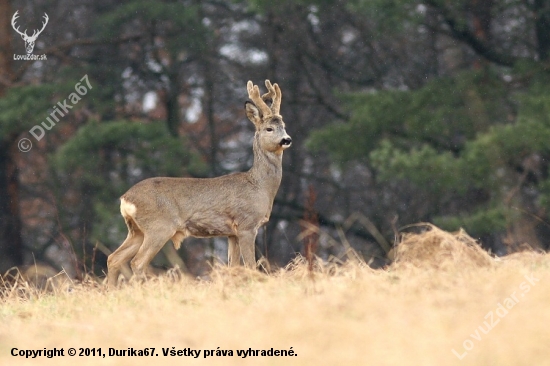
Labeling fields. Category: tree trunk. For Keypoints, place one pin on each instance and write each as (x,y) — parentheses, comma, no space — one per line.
(11,244)
(481,12)
(542,28)
(172,104)
(6,50)
(209,111)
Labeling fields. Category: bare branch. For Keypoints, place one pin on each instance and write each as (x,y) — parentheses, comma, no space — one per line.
(466,36)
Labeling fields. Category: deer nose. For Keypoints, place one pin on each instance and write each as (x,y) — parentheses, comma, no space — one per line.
(286,141)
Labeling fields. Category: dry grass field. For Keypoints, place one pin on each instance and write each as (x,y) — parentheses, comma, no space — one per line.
(443,302)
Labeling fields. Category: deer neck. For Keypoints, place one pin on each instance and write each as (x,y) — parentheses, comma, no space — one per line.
(267,170)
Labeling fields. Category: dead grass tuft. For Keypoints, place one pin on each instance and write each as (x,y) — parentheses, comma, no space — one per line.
(30,283)
(440,249)
(237,274)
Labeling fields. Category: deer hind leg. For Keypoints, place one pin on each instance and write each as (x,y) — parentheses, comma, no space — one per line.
(122,255)
(234,252)
(247,246)
(152,244)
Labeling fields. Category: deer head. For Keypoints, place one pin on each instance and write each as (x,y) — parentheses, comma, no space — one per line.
(270,128)
(29,40)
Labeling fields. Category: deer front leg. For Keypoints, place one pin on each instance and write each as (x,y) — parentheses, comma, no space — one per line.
(247,245)
(233,252)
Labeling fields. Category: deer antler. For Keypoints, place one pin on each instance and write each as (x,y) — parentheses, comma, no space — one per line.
(254,95)
(13,19)
(273,93)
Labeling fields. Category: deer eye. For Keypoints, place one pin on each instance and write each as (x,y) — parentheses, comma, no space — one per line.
(269,129)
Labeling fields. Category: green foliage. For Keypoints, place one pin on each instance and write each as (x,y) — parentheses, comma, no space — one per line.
(370,122)
(263,6)
(180,21)
(481,222)
(445,114)
(387,15)
(424,167)
(149,143)
(23,107)
(449,138)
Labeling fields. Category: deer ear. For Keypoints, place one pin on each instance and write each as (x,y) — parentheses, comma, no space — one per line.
(253,113)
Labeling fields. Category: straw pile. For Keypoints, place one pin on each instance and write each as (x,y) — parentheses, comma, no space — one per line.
(436,248)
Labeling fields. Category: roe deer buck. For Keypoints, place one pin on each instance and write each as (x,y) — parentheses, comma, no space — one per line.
(235,205)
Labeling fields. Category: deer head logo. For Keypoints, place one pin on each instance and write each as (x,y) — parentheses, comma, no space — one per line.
(29,40)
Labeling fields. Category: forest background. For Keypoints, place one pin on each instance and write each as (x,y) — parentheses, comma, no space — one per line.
(401,111)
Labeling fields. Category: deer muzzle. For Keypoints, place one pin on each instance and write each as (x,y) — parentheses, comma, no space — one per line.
(286,142)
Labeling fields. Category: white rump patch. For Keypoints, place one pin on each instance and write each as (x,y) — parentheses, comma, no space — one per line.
(127,209)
